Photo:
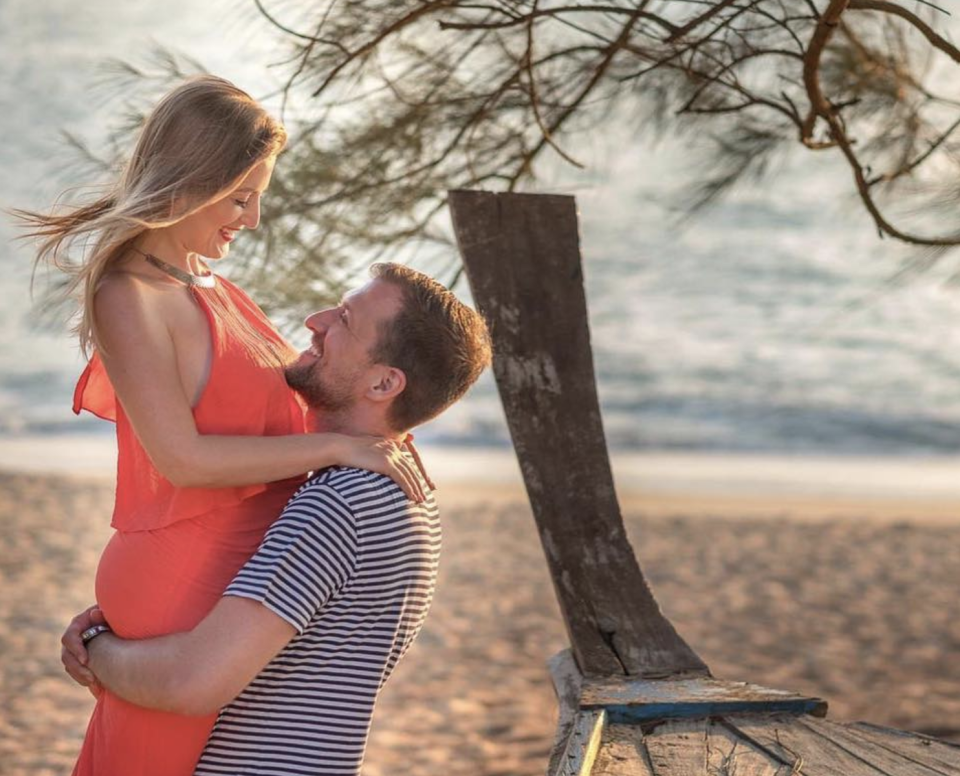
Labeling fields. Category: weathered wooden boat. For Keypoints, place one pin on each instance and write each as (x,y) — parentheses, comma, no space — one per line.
(634,697)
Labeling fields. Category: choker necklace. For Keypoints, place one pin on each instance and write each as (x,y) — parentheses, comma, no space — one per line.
(188,278)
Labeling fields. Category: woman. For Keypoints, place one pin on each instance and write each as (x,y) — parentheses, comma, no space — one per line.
(211,442)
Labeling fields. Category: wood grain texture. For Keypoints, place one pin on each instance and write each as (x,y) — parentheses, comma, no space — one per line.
(522,258)
(583,744)
(820,747)
(644,699)
(567,683)
(932,752)
(679,748)
(622,753)
(706,747)
(730,755)
(770,745)
(898,752)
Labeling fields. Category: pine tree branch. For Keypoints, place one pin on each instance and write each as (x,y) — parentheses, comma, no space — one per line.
(937,41)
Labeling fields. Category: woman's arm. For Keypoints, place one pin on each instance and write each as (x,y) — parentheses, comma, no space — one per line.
(141,360)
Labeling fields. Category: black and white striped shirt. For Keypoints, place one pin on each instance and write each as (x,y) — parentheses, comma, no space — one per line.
(351,564)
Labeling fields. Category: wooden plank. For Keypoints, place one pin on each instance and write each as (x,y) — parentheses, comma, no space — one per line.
(899,751)
(762,732)
(820,747)
(643,699)
(704,747)
(730,755)
(920,738)
(567,682)
(925,749)
(582,744)
(771,745)
(522,257)
(622,753)
(678,748)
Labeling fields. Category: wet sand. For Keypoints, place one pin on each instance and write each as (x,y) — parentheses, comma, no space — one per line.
(853,601)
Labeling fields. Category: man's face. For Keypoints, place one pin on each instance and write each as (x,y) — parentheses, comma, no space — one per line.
(336,371)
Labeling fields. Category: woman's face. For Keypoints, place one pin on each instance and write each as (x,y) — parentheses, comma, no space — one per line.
(211,229)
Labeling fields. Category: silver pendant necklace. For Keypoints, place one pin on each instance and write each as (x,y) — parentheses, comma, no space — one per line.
(188,278)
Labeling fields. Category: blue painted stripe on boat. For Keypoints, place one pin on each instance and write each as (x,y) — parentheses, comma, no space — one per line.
(626,714)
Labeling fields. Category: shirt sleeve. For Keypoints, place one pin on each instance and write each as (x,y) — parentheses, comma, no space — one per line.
(307,556)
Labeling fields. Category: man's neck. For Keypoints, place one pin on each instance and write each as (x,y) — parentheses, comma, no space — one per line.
(350,423)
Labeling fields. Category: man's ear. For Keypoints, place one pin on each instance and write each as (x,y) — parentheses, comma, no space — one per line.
(389,384)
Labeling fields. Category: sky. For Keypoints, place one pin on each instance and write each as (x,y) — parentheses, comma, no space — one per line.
(750,304)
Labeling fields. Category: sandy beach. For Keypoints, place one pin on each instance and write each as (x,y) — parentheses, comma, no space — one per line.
(851,600)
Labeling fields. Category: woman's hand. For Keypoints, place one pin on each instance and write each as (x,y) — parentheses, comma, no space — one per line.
(408,443)
(383,456)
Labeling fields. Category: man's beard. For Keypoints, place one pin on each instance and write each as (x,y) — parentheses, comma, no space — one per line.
(319,394)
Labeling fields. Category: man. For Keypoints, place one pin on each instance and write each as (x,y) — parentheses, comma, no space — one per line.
(304,638)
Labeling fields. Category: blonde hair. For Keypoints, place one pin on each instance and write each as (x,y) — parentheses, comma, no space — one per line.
(197,144)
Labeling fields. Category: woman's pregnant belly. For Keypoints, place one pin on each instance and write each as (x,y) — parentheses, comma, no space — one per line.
(150,583)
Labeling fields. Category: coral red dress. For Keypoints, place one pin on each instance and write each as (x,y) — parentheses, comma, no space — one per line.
(175,549)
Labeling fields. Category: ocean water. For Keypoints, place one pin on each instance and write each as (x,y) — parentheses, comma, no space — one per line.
(766,325)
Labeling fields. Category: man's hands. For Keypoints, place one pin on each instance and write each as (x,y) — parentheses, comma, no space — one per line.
(73,654)
(193,672)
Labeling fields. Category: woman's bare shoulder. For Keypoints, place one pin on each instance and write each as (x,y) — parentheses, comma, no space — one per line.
(118,295)
(134,316)
(122,290)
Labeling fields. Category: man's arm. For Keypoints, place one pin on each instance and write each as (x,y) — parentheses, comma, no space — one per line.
(196,672)
(308,554)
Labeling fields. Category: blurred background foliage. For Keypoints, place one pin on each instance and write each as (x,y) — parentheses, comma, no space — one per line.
(390,103)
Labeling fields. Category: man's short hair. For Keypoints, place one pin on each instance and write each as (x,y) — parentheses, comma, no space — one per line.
(439,343)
